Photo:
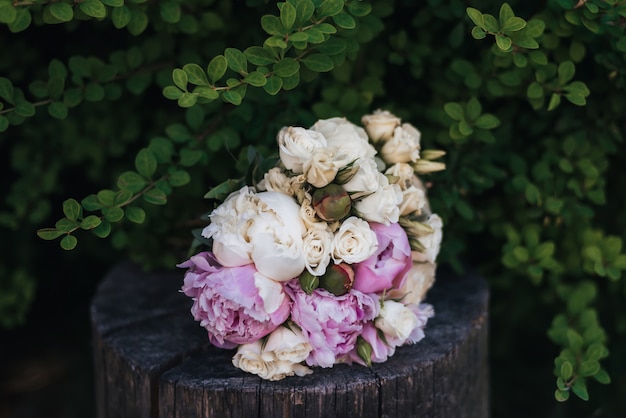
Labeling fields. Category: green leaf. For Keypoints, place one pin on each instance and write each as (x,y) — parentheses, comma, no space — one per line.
(146,163)
(94,92)
(90,222)
(22,21)
(534,28)
(566,72)
(505,13)
(6,90)
(49,233)
(62,11)
(113,214)
(170,11)
(561,395)
(25,109)
(555,100)
(330,8)
(287,16)
(4,123)
(487,121)
(120,16)
(172,92)
(478,33)
(196,74)
(503,42)
(534,91)
(93,8)
(233,97)
(255,79)
(236,60)
(91,203)
(206,92)
(566,370)
(514,24)
(113,3)
(68,242)
(187,100)
(135,214)
(602,377)
(162,148)
(258,55)
(273,85)
(476,16)
(359,9)
(103,230)
(155,196)
(180,79)
(304,11)
(57,110)
(217,68)
(179,178)
(138,22)
(286,67)
(580,389)
(272,25)
(325,28)
(589,368)
(344,20)
(454,110)
(189,157)
(472,109)
(491,24)
(8,13)
(131,181)
(65,225)
(318,63)
(576,98)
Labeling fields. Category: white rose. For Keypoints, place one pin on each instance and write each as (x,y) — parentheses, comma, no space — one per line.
(249,359)
(288,344)
(396,321)
(413,200)
(321,168)
(380,125)
(431,242)
(382,206)
(354,241)
(229,227)
(276,237)
(404,146)
(296,145)
(287,368)
(317,248)
(366,179)
(419,279)
(348,141)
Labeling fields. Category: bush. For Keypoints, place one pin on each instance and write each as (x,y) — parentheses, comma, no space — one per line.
(153,103)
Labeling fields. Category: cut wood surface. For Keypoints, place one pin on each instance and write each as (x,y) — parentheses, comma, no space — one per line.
(153,360)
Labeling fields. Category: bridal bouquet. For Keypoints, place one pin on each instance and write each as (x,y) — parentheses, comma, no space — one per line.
(328,257)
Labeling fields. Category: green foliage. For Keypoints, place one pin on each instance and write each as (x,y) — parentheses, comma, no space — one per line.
(118,138)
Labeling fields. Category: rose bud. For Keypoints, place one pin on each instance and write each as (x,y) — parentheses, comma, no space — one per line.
(331,203)
(338,279)
(308,282)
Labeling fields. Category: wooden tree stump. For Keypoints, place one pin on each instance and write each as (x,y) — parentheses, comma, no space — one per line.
(153,360)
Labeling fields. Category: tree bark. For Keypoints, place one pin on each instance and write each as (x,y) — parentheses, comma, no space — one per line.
(153,360)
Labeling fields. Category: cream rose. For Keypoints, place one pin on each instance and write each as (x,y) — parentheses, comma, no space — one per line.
(321,168)
(353,242)
(296,146)
(317,248)
(288,344)
(275,180)
(366,179)
(380,125)
(419,279)
(404,172)
(404,146)
(431,242)
(382,206)
(253,359)
(396,321)
(413,200)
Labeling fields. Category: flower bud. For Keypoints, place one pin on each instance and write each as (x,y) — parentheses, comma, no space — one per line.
(364,350)
(338,279)
(331,203)
(346,173)
(308,282)
(431,154)
(423,166)
(415,228)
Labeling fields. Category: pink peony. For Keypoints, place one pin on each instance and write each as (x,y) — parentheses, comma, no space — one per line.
(330,323)
(236,305)
(388,267)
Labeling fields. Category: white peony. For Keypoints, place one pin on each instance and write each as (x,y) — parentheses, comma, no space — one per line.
(396,321)
(404,146)
(354,241)
(382,206)
(380,125)
(296,146)
(431,242)
(276,237)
